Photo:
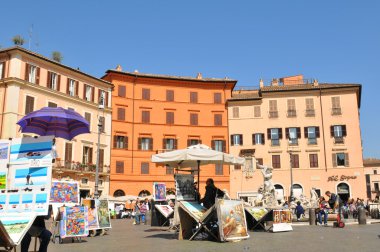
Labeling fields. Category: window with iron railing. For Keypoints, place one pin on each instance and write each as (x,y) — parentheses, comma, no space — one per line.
(274,134)
(311,133)
(292,134)
(310,112)
(338,132)
(292,113)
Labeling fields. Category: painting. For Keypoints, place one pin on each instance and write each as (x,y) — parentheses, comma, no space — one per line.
(3,180)
(282,220)
(93,222)
(257,212)
(13,203)
(4,158)
(184,186)
(29,178)
(64,192)
(159,191)
(3,200)
(27,202)
(4,150)
(34,152)
(194,209)
(165,210)
(41,203)
(232,221)
(74,222)
(104,217)
(16,225)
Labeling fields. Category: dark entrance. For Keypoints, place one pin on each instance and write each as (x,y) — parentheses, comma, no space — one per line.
(343,191)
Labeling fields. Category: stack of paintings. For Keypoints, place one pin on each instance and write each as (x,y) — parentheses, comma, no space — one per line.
(73,222)
(282,220)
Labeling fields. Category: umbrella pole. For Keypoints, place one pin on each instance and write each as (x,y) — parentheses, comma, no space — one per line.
(199,170)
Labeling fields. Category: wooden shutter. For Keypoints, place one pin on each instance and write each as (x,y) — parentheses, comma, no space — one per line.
(101,159)
(286,133)
(269,136)
(213,144)
(188,142)
(279,133)
(241,139)
(49,80)
(298,132)
(253,139)
(59,82)
(305,132)
(344,131)
(164,143)
(235,112)
(335,101)
(90,155)
(139,143)
(103,121)
(68,152)
(346,160)
(68,86)
(37,75)
(263,139)
(334,160)
(77,88)
(232,139)
(217,98)
(332,131)
(92,94)
(115,142)
(27,69)
(106,99)
(29,104)
(84,91)
(99,93)
(257,111)
(126,142)
(175,144)
(224,145)
(150,143)
(121,91)
(317,132)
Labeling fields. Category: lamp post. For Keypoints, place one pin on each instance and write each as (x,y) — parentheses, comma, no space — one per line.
(291,176)
(100,124)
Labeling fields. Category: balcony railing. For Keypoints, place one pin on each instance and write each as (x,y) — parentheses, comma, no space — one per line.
(292,113)
(310,112)
(79,167)
(273,114)
(336,111)
(338,140)
(293,141)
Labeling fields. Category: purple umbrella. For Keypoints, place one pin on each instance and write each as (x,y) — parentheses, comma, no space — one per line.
(58,122)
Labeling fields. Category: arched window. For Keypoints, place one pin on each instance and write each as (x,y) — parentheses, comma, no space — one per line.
(144,193)
(119,193)
(297,190)
(279,190)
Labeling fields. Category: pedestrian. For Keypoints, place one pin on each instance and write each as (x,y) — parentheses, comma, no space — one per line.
(212,192)
(299,210)
(323,210)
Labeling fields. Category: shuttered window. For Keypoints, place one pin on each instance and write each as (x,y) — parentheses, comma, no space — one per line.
(258,138)
(146,94)
(54,81)
(144,168)
(169,95)
(218,145)
(68,154)
(217,119)
(191,142)
(217,98)
(72,87)
(309,103)
(145,116)
(276,161)
(273,105)
(256,111)
(2,70)
(52,105)
(29,104)
(121,114)
(120,142)
(169,117)
(237,139)
(218,169)
(193,119)
(335,100)
(193,97)
(145,143)
(120,167)
(294,161)
(122,91)
(235,112)
(169,170)
(313,160)
(87,155)
(87,116)
(340,159)
(32,74)
(101,160)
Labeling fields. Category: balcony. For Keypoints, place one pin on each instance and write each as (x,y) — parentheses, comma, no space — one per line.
(310,113)
(292,113)
(273,114)
(336,111)
(72,166)
(338,140)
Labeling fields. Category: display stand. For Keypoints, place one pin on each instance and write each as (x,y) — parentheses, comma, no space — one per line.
(55,227)
(257,217)
(282,220)
(159,217)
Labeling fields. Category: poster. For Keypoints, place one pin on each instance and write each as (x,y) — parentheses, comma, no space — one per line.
(13,203)
(16,225)
(93,222)
(3,200)
(4,159)
(184,184)
(159,191)
(27,202)
(232,221)
(3,181)
(30,151)
(64,192)
(165,210)
(74,222)
(257,212)
(104,217)
(282,220)
(194,209)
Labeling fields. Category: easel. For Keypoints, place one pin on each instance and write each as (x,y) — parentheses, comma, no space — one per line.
(253,223)
(55,228)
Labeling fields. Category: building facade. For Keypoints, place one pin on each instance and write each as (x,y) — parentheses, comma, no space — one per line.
(308,132)
(157,113)
(29,81)
(372,171)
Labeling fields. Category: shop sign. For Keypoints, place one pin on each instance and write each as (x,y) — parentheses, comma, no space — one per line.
(341,178)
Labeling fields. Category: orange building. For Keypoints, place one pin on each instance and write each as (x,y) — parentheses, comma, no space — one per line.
(156,113)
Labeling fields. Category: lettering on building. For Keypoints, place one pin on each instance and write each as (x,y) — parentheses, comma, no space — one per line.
(341,178)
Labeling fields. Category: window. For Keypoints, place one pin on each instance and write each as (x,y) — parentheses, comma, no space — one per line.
(102,98)
(217,98)
(193,119)
(313,160)
(336,109)
(256,111)
(292,134)
(258,138)
(52,105)
(121,114)
(340,159)
(32,74)
(338,132)
(376,186)
(72,87)
(236,139)
(217,120)
(145,143)
(218,169)
(192,141)
(273,113)
(68,155)
(146,94)
(145,116)
(169,144)
(275,134)
(193,97)
(87,116)
(121,91)
(237,167)
(311,133)
(88,93)
(309,107)
(2,70)
(144,168)
(260,161)
(218,145)
(169,117)
(87,155)
(294,161)
(375,172)
(54,81)
(120,142)
(235,112)
(29,104)
(169,170)
(119,166)
(291,108)
(169,95)
(276,162)
(102,122)
(101,160)
(84,181)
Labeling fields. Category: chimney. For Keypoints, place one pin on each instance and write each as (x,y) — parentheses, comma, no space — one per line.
(274,82)
(118,68)
(315,83)
(199,76)
(261,83)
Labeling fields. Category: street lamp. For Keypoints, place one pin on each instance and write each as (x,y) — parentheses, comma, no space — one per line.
(100,124)
(291,177)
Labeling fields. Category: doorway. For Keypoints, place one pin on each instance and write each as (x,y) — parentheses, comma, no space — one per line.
(343,191)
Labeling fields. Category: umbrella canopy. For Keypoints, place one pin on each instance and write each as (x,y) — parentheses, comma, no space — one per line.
(58,122)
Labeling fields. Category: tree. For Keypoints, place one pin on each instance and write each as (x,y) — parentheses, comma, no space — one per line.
(18,40)
(57,56)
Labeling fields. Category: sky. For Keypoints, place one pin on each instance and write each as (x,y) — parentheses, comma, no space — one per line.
(332,41)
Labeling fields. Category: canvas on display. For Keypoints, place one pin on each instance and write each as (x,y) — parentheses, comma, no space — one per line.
(73,222)
(195,210)
(4,159)
(184,184)
(257,212)
(282,220)
(165,210)
(159,191)
(13,227)
(64,192)
(232,221)
(30,151)
(93,222)
(104,217)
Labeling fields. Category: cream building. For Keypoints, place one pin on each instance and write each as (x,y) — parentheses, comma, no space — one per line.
(30,81)
(372,171)
(312,127)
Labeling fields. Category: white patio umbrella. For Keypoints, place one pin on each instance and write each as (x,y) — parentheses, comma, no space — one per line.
(195,156)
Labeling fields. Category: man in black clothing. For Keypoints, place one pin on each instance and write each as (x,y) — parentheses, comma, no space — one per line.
(211,193)
(38,229)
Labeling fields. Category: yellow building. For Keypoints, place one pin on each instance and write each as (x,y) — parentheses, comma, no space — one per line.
(30,81)
(308,132)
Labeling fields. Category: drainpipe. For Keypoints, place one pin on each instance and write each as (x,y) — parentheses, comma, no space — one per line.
(133,119)
(323,127)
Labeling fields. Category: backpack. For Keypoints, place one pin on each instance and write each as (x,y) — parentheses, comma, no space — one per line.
(219,193)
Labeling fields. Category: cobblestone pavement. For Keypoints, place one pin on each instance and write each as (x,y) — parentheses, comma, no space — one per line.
(127,237)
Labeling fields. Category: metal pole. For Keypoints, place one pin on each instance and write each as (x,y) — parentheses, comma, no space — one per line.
(291,177)
(96,193)
(199,171)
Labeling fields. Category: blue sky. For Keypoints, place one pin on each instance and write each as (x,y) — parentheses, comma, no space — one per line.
(333,41)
